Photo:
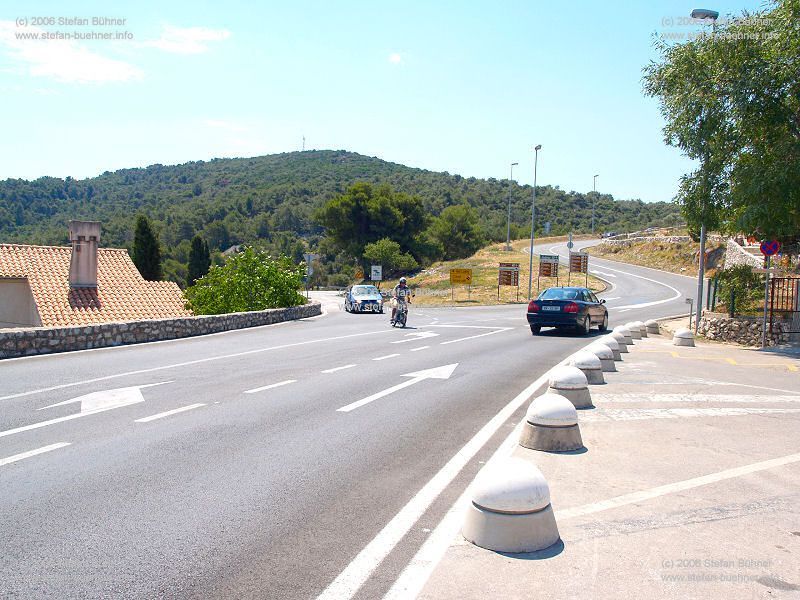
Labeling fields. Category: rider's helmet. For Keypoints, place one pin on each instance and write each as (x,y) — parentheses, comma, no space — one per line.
(402,280)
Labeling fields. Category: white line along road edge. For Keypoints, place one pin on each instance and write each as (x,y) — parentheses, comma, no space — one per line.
(349,581)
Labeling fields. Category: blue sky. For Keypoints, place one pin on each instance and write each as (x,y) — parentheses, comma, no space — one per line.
(464,87)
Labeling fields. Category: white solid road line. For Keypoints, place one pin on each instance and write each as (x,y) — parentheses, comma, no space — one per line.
(419,348)
(639,414)
(271,385)
(678,486)
(24,455)
(342,368)
(190,363)
(385,357)
(169,413)
(349,581)
(599,399)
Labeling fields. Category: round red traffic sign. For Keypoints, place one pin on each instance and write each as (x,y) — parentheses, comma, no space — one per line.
(770,247)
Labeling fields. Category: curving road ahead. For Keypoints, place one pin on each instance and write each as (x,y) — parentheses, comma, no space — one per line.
(286,461)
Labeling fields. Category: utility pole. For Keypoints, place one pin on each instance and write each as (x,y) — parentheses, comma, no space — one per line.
(594,198)
(508,229)
(533,219)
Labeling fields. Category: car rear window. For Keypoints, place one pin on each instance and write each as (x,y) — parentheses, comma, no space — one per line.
(559,294)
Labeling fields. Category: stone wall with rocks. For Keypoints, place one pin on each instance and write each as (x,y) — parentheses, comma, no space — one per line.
(746,331)
(664,239)
(736,255)
(44,340)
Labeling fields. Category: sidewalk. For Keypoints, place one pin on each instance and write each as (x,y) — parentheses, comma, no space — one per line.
(669,416)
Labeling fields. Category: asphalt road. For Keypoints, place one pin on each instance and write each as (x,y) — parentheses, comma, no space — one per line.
(223,467)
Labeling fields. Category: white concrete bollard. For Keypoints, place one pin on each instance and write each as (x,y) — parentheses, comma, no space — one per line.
(551,425)
(652,326)
(642,328)
(619,337)
(683,337)
(626,332)
(609,341)
(510,509)
(571,383)
(605,354)
(590,365)
(636,333)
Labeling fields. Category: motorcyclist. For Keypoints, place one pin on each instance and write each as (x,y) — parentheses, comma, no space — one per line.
(400,293)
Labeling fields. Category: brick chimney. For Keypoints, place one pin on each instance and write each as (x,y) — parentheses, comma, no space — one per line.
(84,236)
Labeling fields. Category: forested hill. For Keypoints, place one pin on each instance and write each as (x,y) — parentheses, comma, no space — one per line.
(269,198)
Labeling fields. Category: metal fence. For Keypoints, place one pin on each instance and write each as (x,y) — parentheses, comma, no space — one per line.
(784,301)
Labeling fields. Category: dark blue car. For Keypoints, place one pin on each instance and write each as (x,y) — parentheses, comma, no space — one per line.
(567,307)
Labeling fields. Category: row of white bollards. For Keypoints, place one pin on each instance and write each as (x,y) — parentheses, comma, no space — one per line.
(510,510)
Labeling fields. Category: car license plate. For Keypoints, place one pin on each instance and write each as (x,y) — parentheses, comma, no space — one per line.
(551,308)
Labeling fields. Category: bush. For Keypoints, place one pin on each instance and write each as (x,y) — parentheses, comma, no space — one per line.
(387,253)
(747,286)
(249,280)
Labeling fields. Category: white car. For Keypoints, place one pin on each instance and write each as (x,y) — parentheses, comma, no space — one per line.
(363,298)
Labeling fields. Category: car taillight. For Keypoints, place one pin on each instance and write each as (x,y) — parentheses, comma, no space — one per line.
(534,306)
(571,308)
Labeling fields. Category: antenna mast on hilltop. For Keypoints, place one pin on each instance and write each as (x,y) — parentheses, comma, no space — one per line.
(304,143)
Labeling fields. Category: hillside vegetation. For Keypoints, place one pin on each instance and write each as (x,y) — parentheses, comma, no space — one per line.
(432,285)
(271,202)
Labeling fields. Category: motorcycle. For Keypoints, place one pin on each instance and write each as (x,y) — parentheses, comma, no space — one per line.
(401,315)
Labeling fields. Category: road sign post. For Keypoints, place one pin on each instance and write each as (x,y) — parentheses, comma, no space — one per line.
(768,248)
(460,277)
(548,267)
(508,274)
(690,302)
(578,263)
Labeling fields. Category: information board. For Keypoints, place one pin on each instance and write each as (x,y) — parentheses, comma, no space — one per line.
(578,262)
(508,274)
(548,265)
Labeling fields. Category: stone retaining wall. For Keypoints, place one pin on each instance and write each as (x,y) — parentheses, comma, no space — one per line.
(44,340)
(746,331)
(736,255)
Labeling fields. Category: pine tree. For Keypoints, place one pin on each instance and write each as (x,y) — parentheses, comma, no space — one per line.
(199,259)
(146,250)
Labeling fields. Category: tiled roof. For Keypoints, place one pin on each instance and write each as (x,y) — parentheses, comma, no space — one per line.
(121,294)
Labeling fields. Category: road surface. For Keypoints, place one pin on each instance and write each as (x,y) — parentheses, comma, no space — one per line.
(260,463)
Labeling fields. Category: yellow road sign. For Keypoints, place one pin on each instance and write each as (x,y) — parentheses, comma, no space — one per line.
(460,276)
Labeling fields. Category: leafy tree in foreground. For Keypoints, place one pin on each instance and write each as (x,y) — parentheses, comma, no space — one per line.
(249,280)
(199,260)
(146,250)
(387,252)
(732,101)
(457,231)
(366,213)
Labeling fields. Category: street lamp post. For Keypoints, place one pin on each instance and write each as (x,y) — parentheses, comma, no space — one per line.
(594,198)
(508,228)
(533,219)
(702,13)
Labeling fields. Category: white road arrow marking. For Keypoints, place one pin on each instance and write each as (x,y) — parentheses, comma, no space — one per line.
(91,404)
(442,372)
(413,337)
(108,399)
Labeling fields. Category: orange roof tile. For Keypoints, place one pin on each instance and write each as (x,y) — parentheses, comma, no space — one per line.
(121,294)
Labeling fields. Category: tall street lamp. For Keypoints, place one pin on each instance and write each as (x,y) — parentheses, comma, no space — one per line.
(594,198)
(533,218)
(712,15)
(508,229)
